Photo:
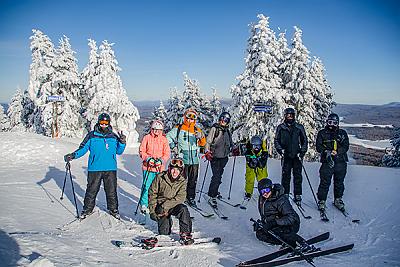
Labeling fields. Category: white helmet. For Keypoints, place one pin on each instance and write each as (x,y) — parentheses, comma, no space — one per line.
(157,125)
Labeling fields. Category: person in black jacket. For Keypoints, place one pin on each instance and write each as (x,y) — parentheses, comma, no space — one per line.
(278,216)
(292,144)
(333,144)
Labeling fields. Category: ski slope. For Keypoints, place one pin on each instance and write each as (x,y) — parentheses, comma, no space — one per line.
(32,172)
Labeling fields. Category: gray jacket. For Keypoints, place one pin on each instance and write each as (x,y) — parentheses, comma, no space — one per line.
(219,141)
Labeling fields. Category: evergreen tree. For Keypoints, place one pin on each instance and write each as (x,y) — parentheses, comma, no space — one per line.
(110,96)
(66,82)
(15,112)
(4,121)
(259,83)
(216,107)
(175,110)
(392,156)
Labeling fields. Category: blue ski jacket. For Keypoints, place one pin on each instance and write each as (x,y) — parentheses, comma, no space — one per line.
(103,148)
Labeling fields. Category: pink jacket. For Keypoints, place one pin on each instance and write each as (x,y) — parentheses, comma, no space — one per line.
(154,147)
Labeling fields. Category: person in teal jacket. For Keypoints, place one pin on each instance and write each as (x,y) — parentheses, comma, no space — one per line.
(103,145)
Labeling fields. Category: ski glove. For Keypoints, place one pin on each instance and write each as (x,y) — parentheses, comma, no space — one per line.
(151,162)
(122,137)
(252,162)
(235,151)
(69,157)
(329,159)
(158,163)
(268,225)
(257,226)
(208,155)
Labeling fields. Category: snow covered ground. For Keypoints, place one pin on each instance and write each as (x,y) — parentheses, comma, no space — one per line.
(31,178)
(378,144)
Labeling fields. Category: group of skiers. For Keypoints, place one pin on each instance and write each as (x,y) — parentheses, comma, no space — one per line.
(165,192)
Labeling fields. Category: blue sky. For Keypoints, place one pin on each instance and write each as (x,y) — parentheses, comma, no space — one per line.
(156,41)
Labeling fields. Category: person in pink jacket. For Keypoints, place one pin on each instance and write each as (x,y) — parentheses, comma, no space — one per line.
(154,152)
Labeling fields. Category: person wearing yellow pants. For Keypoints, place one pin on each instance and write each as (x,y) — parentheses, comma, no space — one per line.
(256,164)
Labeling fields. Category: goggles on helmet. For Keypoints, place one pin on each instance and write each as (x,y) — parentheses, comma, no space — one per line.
(191,116)
(104,122)
(225,119)
(332,122)
(256,147)
(176,163)
(265,190)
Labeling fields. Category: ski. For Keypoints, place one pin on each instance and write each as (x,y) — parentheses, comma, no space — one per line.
(220,198)
(216,210)
(323,216)
(312,255)
(279,253)
(347,215)
(301,210)
(244,204)
(201,212)
(153,243)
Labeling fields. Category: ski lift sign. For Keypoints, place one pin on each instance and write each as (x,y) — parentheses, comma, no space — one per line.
(55,98)
(262,107)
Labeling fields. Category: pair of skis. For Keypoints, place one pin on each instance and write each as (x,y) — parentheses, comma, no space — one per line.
(153,242)
(272,258)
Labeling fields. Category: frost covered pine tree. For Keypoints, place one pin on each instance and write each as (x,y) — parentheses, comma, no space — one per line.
(323,97)
(216,107)
(300,92)
(15,112)
(259,82)
(66,84)
(4,121)
(392,157)
(40,82)
(175,110)
(110,97)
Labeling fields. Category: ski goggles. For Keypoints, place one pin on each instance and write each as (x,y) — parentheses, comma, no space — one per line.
(178,163)
(226,120)
(104,122)
(256,147)
(332,122)
(265,190)
(191,116)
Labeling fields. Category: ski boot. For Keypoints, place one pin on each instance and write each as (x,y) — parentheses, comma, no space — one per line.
(186,239)
(149,243)
(213,202)
(115,214)
(339,204)
(321,205)
(85,214)
(191,202)
(297,200)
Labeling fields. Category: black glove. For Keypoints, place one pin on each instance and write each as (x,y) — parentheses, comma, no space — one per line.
(268,225)
(159,210)
(257,226)
(122,137)
(252,162)
(69,157)
(154,217)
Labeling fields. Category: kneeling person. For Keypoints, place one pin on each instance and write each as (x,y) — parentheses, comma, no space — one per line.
(278,216)
(166,196)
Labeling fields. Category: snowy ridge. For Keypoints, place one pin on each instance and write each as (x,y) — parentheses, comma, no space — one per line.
(378,144)
(32,174)
(365,125)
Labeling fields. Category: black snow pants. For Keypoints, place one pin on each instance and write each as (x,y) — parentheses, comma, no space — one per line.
(191,172)
(325,173)
(181,212)
(93,186)
(286,233)
(290,164)
(217,167)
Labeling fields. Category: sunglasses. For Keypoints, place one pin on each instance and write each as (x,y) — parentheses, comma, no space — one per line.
(265,190)
(226,120)
(191,116)
(104,122)
(176,163)
(332,122)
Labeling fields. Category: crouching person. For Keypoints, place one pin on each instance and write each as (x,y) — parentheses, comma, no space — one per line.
(278,216)
(166,196)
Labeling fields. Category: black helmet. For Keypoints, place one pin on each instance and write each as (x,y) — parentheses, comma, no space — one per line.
(256,141)
(332,122)
(104,117)
(290,111)
(225,116)
(333,116)
(264,183)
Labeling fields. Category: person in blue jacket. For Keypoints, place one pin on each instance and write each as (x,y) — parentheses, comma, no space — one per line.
(103,145)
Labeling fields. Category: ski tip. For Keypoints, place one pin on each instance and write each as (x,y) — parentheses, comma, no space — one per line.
(217,240)
(224,218)
(236,205)
(355,221)
(243,208)
(308,217)
(116,243)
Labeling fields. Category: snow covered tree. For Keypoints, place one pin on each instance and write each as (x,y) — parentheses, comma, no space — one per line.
(110,96)
(15,112)
(323,97)
(216,107)
(66,83)
(175,110)
(392,156)
(259,83)
(4,122)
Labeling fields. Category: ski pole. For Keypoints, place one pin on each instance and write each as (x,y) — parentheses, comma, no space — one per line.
(309,183)
(301,254)
(68,167)
(142,189)
(202,186)
(65,179)
(233,171)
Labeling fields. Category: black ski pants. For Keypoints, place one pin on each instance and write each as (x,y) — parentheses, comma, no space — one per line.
(217,167)
(286,233)
(93,186)
(288,165)
(191,171)
(181,212)
(325,173)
